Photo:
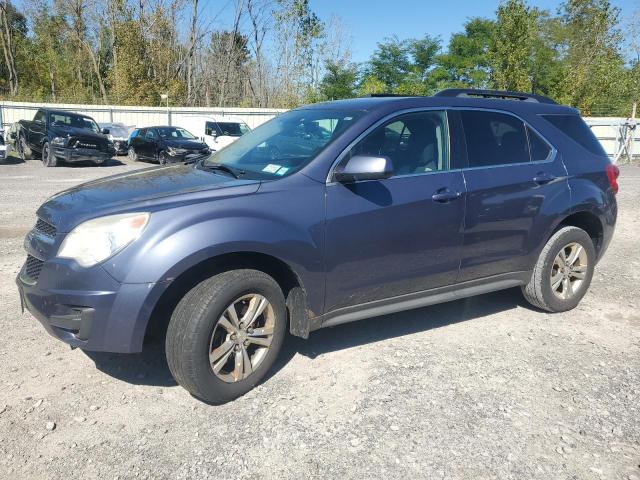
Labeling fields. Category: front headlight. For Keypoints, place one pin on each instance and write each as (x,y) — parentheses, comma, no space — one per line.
(96,240)
(59,141)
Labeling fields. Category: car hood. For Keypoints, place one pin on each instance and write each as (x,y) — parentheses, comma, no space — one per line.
(61,131)
(148,189)
(189,144)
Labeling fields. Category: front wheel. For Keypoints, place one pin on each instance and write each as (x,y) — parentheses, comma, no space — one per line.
(24,151)
(133,156)
(162,158)
(48,158)
(225,334)
(563,273)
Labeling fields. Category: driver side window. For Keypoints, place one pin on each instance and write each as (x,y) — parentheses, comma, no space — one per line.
(151,135)
(415,143)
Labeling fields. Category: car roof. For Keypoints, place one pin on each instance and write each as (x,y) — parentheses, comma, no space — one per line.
(370,104)
(65,112)
(216,118)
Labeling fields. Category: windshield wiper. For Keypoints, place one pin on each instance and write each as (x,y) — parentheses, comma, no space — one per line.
(222,168)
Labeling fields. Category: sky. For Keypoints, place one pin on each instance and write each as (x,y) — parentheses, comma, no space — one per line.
(369,21)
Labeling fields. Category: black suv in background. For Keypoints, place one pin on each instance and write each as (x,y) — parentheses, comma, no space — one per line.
(166,145)
(59,135)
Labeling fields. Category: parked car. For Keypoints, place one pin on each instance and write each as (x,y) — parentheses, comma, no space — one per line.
(216,131)
(165,145)
(327,214)
(119,136)
(58,135)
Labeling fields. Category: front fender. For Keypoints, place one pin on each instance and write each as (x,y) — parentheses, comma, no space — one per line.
(177,239)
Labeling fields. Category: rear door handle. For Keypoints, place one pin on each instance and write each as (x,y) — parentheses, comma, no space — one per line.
(541,178)
(444,196)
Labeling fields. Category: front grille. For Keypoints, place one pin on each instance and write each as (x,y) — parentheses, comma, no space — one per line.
(33,267)
(75,142)
(45,228)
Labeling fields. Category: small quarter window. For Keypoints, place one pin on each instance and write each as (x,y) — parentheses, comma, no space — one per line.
(540,150)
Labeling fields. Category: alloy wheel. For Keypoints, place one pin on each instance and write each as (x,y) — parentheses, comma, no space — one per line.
(241,338)
(569,270)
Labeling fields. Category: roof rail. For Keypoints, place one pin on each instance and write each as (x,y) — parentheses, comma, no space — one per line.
(499,94)
(383,95)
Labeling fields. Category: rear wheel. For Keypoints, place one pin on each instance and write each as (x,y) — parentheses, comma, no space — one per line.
(48,158)
(225,334)
(563,272)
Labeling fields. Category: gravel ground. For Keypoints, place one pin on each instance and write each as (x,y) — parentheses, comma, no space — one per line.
(475,389)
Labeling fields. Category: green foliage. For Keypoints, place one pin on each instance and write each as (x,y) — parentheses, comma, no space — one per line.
(281,54)
(370,85)
(466,62)
(511,48)
(339,81)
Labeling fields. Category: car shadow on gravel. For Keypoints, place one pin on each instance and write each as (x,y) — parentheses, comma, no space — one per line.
(406,323)
(112,162)
(150,367)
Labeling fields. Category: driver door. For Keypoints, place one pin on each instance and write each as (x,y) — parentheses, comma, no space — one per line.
(386,238)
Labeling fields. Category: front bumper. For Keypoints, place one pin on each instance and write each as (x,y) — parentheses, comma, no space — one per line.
(86,308)
(121,147)
(71,155)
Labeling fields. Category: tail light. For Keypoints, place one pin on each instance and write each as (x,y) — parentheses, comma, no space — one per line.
(613,173)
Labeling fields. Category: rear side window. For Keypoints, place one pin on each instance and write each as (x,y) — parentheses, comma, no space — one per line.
(574,127)
(494,138)
(540,150)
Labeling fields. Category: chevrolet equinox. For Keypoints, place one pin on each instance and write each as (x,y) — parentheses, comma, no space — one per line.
(326,214)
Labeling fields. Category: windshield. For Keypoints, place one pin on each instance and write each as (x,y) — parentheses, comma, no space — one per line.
(232,129)
(117,131)
(285,144)
(173,132)
(73,120)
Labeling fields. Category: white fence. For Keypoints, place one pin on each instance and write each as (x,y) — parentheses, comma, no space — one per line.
(606,129)
(11,112)
(613,131)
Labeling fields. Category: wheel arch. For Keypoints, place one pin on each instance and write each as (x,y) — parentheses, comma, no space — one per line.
(159,313)
(587,221)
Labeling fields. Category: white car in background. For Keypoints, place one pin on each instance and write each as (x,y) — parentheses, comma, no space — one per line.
(214,130)
(119,135)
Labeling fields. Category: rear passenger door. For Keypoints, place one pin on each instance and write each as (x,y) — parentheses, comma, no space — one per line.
(515,182)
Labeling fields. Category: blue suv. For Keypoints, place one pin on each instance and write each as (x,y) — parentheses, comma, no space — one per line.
(326,214)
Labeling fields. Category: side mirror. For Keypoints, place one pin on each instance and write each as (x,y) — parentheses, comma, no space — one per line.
(105,131)
(364,167)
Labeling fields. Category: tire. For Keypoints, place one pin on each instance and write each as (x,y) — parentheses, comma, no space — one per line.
(197,321)
(24,151)
(48,158)
(162,158)
(545,292)
(133,156)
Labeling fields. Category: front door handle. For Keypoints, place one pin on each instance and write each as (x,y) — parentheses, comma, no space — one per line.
(444,196)
(541,178)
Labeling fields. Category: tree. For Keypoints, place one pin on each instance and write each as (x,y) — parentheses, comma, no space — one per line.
(594,66)
(339,81)
(466,62)
(12,24)
(511,50)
